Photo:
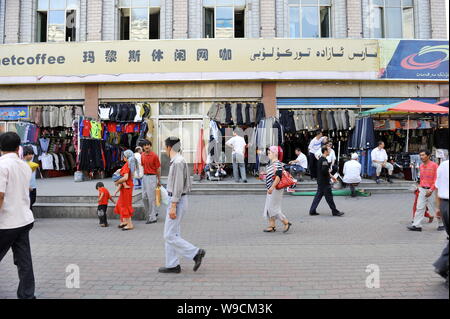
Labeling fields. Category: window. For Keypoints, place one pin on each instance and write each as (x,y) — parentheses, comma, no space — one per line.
(224,18)
(56,20)
(139,19)
(309,18)
(392,19)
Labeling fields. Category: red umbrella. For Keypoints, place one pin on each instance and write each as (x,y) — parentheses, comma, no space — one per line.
(412,106)
(199,164)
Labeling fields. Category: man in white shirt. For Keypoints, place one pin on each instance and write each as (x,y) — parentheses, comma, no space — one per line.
(16,218)
(332,155)
(299,165)
(352,173)
(441,265)
(237,143)
(315,146)
(380,161)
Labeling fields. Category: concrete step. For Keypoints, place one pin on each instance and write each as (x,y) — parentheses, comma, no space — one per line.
(77,199)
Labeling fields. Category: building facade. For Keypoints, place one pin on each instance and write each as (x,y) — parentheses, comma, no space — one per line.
(249,27)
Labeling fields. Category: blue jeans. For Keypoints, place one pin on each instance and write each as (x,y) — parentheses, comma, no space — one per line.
(239,166)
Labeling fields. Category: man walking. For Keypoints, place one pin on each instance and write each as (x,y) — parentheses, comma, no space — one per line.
(151,179)
(441,265)
(315,146)
(237,143)
(323,185)
(428,173)
(16,218)
(178,186)
(380,161)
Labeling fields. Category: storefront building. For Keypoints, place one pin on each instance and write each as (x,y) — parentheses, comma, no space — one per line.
(329,56)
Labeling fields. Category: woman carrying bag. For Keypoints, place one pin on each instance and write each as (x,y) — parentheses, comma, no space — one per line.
(272,209)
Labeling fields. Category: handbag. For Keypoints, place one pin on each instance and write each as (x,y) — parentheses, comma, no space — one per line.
(286,180)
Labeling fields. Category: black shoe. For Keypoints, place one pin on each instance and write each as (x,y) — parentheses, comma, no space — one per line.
(198,258)
(314,214)
(338,214)
(245,181)
(443,274)
(414,228)
(441,228)
(390,181)
(174,270)
(151,222)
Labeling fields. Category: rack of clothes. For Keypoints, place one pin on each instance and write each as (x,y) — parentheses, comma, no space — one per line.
(123,112)
(51,116)
(237,113)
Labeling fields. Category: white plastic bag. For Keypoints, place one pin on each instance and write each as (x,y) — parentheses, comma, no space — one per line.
(164,196)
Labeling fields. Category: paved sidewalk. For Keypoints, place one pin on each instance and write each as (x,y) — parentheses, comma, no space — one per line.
(322,257)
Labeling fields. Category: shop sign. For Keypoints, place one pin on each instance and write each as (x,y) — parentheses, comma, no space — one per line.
(13,113)
(414,59)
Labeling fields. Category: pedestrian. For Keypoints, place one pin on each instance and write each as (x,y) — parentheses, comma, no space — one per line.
(428,174)
(380,161)
(352,173)
(299,165)
(103,197)
(151,179)
(16,218)
(315,146)
(178,186)
(238,144)
(272,209)
(441,265)
(124,206)
(28,155)
(138,177)
(331,154)
(324,178)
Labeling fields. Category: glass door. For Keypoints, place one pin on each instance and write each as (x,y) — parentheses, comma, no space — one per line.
(188,131)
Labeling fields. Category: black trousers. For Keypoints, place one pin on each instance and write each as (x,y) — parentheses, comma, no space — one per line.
(19,241)
(323,190)
(33,195)
(101,211)
(312,165)
(441,264)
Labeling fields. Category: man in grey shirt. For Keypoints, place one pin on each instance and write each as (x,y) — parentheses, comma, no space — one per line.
(178,185)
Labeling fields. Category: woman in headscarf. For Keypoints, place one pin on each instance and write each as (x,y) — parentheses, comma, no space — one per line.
(272,209)
(124,206)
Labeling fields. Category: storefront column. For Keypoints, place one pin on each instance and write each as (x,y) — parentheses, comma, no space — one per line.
(91,100)
(269,98)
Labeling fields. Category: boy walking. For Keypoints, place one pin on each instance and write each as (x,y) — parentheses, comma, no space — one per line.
(103,197)
(28,155)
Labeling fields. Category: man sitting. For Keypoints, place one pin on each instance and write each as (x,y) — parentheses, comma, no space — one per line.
(380,161)
(299,165)
(352,173)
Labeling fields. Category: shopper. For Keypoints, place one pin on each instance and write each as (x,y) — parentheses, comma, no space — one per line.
(237,143)
(178,186)
(299,165)
(103,197)
(380,161)
(323,185)
(28,155)
(428,173)
(151,179)
(441,265)
(352,173)
(16,218)
(272,209)
(124,206)
(138,177)
(315,146)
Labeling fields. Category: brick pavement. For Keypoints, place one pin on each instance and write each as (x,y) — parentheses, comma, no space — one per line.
(322,257)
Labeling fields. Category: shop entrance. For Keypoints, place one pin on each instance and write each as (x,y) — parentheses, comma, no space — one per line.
(187,131)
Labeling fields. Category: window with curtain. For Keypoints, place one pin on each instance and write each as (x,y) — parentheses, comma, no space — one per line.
(56,20)
(392,19)
(139,19)
(224,18)
(309,18)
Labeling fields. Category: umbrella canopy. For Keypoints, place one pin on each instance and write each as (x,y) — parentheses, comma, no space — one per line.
(443,102)
(407,107)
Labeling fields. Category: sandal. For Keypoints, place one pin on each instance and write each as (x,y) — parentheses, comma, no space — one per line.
(127,228)
(122,225)
(287,228)
(270,230)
